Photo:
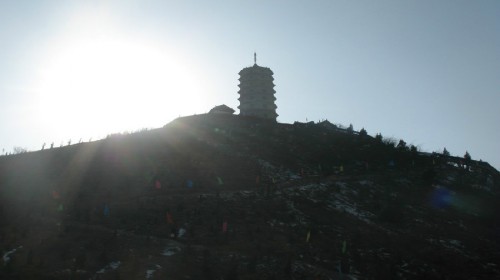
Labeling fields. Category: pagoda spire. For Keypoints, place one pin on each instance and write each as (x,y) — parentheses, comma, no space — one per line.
(257,92)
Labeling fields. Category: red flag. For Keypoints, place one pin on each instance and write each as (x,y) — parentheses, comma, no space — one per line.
(169,218)
(224,227)
(55,195)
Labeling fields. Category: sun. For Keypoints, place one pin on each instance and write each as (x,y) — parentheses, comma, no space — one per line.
(97,86)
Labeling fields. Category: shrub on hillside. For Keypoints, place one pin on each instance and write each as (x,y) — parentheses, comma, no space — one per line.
(363,132)
(20,150)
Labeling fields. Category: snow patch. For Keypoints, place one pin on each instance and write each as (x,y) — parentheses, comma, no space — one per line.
(266,164)
(111,266)
(365,183)
(170,251)
(341,184)
(451,244)
(182,232)
(151,272)
(6,257)
(341,203)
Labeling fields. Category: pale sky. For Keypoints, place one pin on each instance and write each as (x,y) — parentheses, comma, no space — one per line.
(424,71)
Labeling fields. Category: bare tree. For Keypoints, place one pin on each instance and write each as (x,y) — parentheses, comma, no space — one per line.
(401,145)
(20,150)
(350,129)
(467,156)
(468,160)
(413,149)
(390,142)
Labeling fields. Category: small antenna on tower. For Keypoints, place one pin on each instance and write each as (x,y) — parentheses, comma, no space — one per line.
(255,58)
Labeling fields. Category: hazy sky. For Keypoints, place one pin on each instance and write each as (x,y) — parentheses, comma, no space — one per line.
(427,72)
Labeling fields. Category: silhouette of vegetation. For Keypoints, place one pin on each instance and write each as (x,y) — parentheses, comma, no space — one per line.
(467,156)
(468,160)
(363,132)
(446,153)
(19,150)
(413,149)
(350,129)
(402,145)
(390,142)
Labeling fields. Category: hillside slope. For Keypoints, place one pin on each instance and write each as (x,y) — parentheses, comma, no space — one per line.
(225,197)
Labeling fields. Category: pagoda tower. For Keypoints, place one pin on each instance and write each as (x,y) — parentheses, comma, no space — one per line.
(257,92)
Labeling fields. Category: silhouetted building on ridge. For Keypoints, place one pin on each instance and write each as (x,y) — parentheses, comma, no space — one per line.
(222,109)
(257,92)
